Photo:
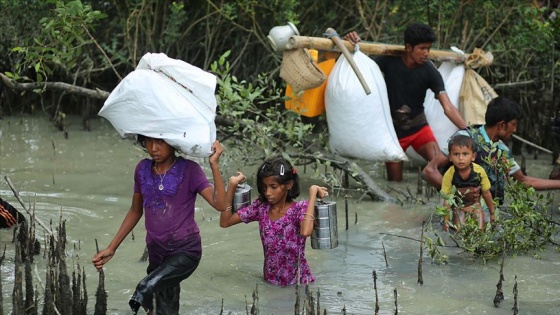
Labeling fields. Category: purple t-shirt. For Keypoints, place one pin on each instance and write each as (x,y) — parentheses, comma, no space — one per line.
(282,242)
(169,214)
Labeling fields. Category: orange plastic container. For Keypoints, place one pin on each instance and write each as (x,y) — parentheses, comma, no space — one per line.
(310,103)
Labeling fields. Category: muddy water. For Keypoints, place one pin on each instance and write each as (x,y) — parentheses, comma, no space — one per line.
(87,179)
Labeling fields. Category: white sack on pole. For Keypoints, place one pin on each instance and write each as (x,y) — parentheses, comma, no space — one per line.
(168,99)
(360,125)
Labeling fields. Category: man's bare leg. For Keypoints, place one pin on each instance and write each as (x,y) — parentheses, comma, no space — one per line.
(394,171)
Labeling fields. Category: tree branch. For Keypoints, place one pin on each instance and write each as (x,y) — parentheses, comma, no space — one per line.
(57,86)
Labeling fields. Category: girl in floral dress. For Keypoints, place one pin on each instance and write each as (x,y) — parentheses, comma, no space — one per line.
(284,223)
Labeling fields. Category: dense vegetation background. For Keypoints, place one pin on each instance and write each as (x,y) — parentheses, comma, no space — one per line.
(94,44)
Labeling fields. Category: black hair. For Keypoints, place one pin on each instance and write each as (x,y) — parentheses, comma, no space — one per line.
(461,141)
(141,141)
(502,109)
(419,33)
(283,173)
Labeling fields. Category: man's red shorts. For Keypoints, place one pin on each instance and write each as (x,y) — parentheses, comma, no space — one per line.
(417,140)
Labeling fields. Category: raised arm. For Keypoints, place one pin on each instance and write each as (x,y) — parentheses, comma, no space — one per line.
(306,225)
(216,197)
(227,217)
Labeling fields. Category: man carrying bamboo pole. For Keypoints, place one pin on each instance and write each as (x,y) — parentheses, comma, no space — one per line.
(407,78)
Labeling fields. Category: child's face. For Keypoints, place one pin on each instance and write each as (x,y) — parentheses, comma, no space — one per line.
(159,150)
(461,156)
(274,191)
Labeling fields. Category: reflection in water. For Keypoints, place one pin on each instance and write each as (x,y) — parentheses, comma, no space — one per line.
(87,179)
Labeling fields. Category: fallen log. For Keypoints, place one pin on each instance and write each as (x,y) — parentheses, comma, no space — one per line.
(320,43)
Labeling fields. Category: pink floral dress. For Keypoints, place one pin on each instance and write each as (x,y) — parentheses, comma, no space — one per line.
(283,246)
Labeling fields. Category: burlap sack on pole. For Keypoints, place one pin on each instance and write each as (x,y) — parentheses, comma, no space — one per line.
(300,70)
(476,93)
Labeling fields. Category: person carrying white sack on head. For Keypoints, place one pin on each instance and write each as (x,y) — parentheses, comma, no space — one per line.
(170,106)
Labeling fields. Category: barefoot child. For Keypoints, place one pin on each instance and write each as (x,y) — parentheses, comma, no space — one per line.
(284,224)
(470,181)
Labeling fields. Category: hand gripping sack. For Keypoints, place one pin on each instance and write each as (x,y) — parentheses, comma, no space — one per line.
(168,99)
(360,125)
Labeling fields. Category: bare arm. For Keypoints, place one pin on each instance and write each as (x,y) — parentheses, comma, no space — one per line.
(216,196)
(227,217)
(306,225)
(537,183)
(431,170)
(129,222)
(451,111)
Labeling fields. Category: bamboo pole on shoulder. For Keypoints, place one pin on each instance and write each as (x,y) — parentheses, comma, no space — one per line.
(320,43)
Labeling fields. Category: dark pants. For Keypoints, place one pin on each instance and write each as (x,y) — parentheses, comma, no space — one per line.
(163,281)
(9,216)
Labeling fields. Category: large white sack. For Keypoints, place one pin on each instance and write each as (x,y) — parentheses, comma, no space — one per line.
(168,99)
(360,125)
(442,127)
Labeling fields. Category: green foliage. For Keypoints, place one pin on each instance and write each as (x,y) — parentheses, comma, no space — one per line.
(434,251)
(18,25)
(177,16)
(50,38)
(254,113)
(60,45)
(526,226)
(521,227)
(531,30)
(499,161)
(281,10)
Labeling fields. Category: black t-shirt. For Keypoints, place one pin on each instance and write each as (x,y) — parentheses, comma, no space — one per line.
(407,86)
